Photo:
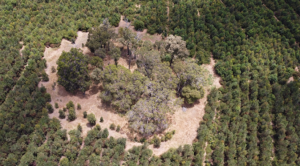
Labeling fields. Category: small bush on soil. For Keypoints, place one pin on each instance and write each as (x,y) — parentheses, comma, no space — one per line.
(53,69)
(62,114)
(78,106)
(105,133)
(118,128)
(112,126)
(48,97)
(70,104)
(56,105)
(64,109)
(101,119)
(72,114)
(50,108)
(79,128)
(84,114)
(156,142)
(91,118)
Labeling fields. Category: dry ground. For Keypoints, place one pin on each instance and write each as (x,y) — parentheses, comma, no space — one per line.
(184,123)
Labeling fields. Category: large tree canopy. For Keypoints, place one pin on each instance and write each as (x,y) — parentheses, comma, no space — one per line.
(176,47)
(72,71)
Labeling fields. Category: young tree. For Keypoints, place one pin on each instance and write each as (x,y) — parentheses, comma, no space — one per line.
(72,71)
(62,114)
(84,114)
(72,114)
(101,119)
(92,119)
(176,47)
(96,62)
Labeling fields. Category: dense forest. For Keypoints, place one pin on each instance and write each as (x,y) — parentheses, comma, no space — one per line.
(251,120)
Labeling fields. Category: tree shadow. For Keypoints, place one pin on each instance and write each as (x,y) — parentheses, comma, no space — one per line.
(186,105)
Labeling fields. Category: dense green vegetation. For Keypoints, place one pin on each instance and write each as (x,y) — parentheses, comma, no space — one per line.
(252,120)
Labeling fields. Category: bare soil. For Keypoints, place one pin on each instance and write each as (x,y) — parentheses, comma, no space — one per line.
(184,123)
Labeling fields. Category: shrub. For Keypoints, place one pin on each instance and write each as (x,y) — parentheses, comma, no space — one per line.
(84,114)
(79,128)
(45,76)
(62,114)
(78,106)
(64,162)
(50,108)
(101,119)
(72,114)
(139,25)
(48,97)
(53,69)
(156,142)
(56,105)
(64,109)
(118,128)
(91,118)
(112,126)
(105,133)
(70,104)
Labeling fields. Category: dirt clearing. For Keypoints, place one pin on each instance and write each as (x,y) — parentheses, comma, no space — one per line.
(185,123)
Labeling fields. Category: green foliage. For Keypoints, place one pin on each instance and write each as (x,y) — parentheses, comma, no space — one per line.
(62,114)
(64,162)
(50,108)
(72,71)
(112,126)
(101,119)
(56,105)
(96,61)
(72,114)
(53,70)
(45,77)
(84,114)
(156,142)
(70,104)
(138,25)
(79,128)
(78,106)
(118,128)
(105,133)
(91,118)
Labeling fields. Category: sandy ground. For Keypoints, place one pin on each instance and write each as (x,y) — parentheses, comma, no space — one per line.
(184,123)
(292,78)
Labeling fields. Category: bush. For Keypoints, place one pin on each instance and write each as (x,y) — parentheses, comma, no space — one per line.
(50,108)
(139,25)
(72,114)
(79,128)
(70,104)
(56,105)
(64,162)
(78,106)
(105,133)
(101,119)
(64,109)
(91,118)
(112,126)
(53,69)
(118,128)
(156,142)
(45,76)
(84,114)
(62,114)
(48,97)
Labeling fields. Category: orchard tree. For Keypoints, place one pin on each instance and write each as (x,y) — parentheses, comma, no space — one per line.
(176,47)
(72,71)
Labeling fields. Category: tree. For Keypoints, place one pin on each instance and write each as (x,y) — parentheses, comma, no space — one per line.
(99,37)
(84,114)
(192,79)
(138,25)
(112,126)
(64,162)
(147,60)
(156,142)
(101,119)
(72,71)
(70,104)
(115,53)
(96,61)
(121,88)
(176,47)
(105,133)
(92,119)
(50,108)
(62,114)
(72,114)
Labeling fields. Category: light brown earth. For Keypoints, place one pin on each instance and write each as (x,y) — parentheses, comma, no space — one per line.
(292,78)
(184,123)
